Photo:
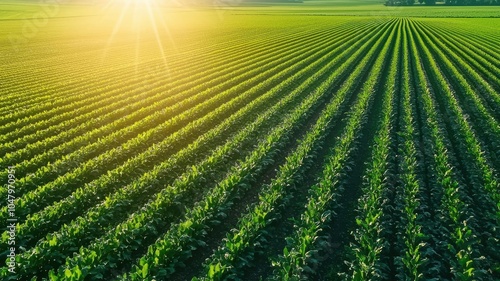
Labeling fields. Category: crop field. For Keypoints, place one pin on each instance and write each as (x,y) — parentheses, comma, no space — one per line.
(142,142)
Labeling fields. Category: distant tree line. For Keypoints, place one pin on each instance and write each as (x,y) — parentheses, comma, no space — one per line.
(446,2)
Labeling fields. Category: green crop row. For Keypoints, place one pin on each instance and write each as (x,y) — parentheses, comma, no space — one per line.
(58,92)
(477,162)
(366,262)
(382,135)
(298,254)
(86,194)
(50,192)
(113,135)
(178,241)
(223,264)
(481,185)
(411,262)
(187,78)
(462,243)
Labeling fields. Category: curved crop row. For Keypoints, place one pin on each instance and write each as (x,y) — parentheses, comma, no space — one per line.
(58,188)
(122,192)
(237,178)
(193,78)
(115,137)
(223,264)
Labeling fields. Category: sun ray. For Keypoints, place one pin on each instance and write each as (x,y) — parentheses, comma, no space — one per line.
(167,30)
(157,36)
(107,5)
(137,22)
(131,16)
(115,30)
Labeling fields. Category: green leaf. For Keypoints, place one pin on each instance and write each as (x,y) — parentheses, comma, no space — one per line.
(53,276)
(78,272)
(67,273)
(145,270)
(211,271)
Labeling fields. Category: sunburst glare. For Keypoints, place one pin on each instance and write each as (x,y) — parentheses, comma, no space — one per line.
(135,17)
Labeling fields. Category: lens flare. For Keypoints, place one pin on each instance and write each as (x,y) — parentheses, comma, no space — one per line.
(137,18)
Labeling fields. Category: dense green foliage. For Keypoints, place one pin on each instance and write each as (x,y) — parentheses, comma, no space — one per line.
(189,144)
